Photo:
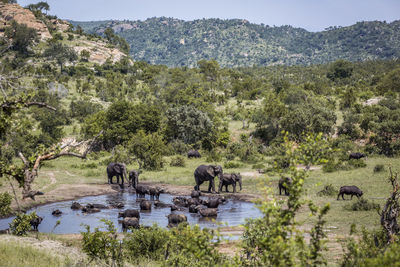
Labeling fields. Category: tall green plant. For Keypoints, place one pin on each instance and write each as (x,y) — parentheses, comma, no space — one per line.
(275,239)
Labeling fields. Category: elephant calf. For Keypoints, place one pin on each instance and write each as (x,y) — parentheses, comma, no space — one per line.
(350,190)
(285,183)
(130,222)
(129,213)
(142,190)
(175,219)
(133,178)
(35,222)
(155,192)
(230,179)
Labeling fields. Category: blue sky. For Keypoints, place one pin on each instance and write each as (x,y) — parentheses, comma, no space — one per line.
(313,15)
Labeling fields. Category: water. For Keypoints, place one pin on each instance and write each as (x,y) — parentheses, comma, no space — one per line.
(232,213)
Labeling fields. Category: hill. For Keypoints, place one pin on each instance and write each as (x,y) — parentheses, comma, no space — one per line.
(235,42)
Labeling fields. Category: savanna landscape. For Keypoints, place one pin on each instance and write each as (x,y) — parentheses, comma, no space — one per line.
(307,122)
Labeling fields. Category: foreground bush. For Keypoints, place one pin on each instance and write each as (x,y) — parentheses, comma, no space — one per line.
(21,224)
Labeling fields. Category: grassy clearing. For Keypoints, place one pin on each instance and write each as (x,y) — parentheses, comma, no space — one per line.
(15,254)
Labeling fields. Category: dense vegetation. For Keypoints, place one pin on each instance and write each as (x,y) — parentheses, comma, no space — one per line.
(235,42)
(140,113)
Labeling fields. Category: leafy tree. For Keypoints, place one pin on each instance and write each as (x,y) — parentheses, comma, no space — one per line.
(390,82)
(60,53)
(21,37)
(340,69)
(188,124)
(147,150)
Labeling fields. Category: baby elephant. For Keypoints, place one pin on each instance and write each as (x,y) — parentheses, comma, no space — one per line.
(175,219)
(130,222)
(285,183)
(129,213)
(35,222)
(155,192)
(350,190)
(230,179)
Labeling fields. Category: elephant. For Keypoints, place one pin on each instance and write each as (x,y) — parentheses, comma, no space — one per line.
(284,184)
(35,222)
(228,179)
(129,213)
(207,173)
(208,212)
(116,169)
(193,154)
(145,205)
(155,192)
(142,190)
(130,222)
(133,178)
(175,219)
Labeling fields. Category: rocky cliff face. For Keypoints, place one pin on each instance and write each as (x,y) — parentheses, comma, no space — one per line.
(9,12)
(99,50)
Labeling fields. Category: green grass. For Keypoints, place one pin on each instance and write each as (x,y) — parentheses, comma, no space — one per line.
(15,254)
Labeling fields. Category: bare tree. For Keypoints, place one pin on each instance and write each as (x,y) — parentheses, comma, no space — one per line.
(391,209)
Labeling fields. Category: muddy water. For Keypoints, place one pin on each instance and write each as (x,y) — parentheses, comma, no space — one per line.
(232,213)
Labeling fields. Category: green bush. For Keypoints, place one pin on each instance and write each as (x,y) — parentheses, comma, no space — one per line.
(379,168)
(232,165)
(146,242)
(5,202)
(103,245)
(328,190)
(178,161)
(362,204)
(357,163)
(213,156)
(21,224)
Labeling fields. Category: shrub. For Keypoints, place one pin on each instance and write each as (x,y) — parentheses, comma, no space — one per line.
(178,161)
(328,190)
(362,204)
(21,224)
(149,243)
(379,168)
(102,245)
(213,156)
(232,165)
(5,202)
(357,163)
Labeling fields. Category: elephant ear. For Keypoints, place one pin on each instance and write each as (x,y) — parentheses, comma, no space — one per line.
(118,168)
(210,170)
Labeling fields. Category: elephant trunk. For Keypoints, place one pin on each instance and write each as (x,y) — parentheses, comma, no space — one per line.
(240,184)
(124,174)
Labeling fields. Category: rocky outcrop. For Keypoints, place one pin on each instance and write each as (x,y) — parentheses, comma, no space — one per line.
(9,12)
(99,52)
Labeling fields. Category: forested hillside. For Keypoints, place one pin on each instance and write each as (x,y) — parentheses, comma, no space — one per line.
(234,43)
